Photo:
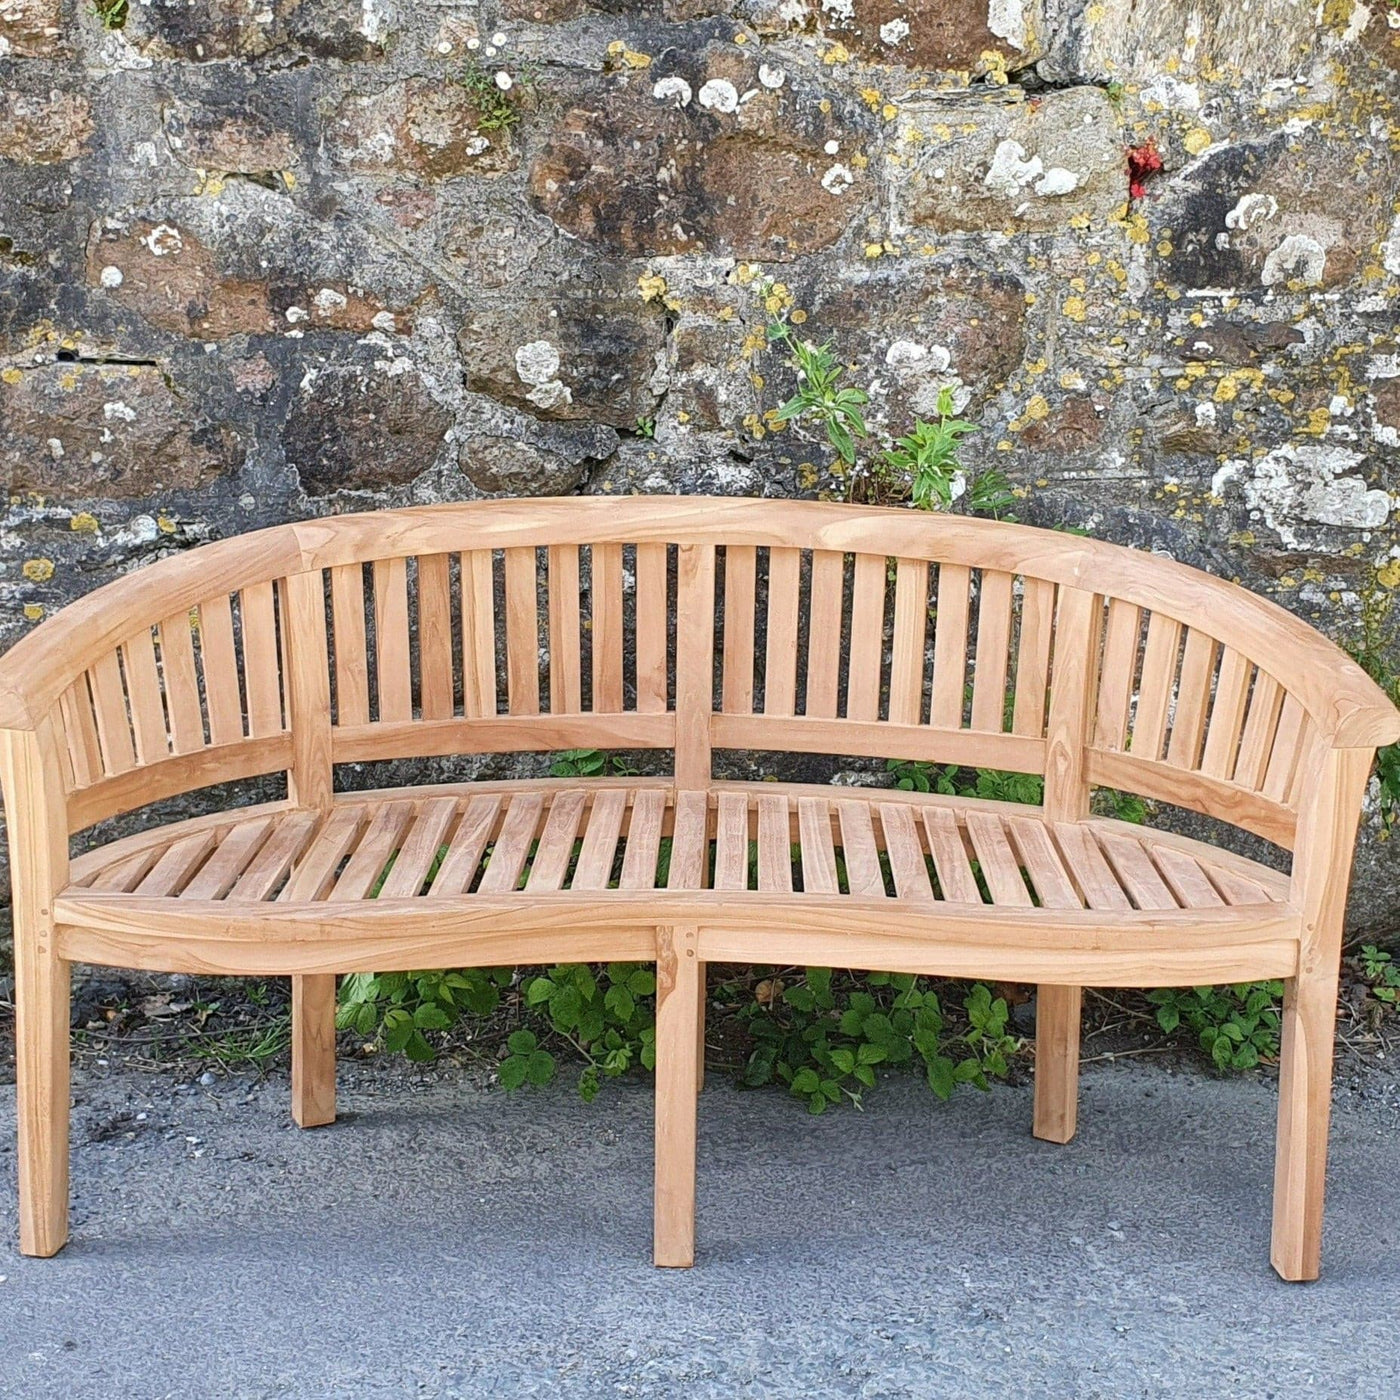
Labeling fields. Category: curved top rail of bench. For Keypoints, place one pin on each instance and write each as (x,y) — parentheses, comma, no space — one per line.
(1349,709)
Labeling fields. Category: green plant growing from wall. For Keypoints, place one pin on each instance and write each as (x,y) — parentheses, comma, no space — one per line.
(821,396)
(497,107)
(112,13)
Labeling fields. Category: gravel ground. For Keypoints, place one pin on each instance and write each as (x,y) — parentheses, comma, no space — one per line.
(442,1240)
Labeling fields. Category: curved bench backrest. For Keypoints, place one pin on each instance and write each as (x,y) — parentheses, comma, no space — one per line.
(665,623)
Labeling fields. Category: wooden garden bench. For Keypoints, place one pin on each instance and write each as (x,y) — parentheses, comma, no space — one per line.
(634,624)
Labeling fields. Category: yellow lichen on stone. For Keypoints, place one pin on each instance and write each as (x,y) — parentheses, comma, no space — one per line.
(1038,408)
(38,570)
(166,525)
(652,286)
(85,523)
(10,376)
(33,611)
(837,53)
(1075,308)
(1388,575)
(871,98)
(1318,421)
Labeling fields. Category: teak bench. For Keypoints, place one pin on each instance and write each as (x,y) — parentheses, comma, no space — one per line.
(544,625)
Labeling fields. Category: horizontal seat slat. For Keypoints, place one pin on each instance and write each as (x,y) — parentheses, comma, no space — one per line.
(599,850)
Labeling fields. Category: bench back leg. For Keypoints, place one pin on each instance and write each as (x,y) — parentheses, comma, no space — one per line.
(679,995)
(1304,1109)
(313,1050)
(1056,1062)
(42,1093)
(1321,873)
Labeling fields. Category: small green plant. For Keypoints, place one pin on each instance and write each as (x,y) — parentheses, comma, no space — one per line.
(928,456)
(826,1036)
(399,1007)
(112,13)
(949,780)
(821,397)
(525,1063)
(1236,1026)
(1380,971)
(588,763)
(497,107)
(646,427)
(610,1019)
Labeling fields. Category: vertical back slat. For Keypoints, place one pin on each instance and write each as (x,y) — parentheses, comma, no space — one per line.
(867,637)
(606,611)
(435,678)
(109,706)
(1226,715)
(910,626)
(391,645)
(478,635)
(651,628)
(1120,652)
(1155,689)
(1283,758)
(950,646)
(1033,656)
(80,730)
(993,655)
(780,657)
(351,652)
(695,654)
(1192,699)
(1260,722)
(522,632)
(565,663)
(740,564)
(219,662)
(143,691)
(824,633)
(181,684)
(262,663)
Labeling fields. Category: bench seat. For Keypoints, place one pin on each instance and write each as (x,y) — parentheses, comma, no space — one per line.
(519,871)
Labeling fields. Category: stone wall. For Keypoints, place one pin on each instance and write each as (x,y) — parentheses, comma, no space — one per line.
(261,259)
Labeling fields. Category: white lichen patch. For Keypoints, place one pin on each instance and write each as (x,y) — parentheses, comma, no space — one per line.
(771,77)
(911,355)
(328,301)
(719,95)
(837,180)
(1007,20)
(1057,180)
(1390,249)
(895,32)
(672,88)
(1298,256)
(1011,170)
(117,409)
(537,364)
(1250,210)
(843,11)
(163,239)
(1295,486)
(111,276)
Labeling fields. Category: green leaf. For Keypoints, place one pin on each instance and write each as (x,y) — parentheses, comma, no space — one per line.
(418,1050)
(941,1077)
(521,1042)
(620,1003)
(539,990)
(539,1068)
(431,1017)
(511,1073)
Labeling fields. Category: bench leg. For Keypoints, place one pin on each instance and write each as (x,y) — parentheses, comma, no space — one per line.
(313,1050)
(1056,1062)
(678,980)
(42,1093)
(1304,1107)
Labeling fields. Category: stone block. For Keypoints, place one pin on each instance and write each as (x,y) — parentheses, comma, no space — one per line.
(1007,163)
(81,431)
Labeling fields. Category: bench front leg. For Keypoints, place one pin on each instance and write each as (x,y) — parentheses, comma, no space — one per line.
(313,1050)
(678,1000)
(1057,1014)
(42,986)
